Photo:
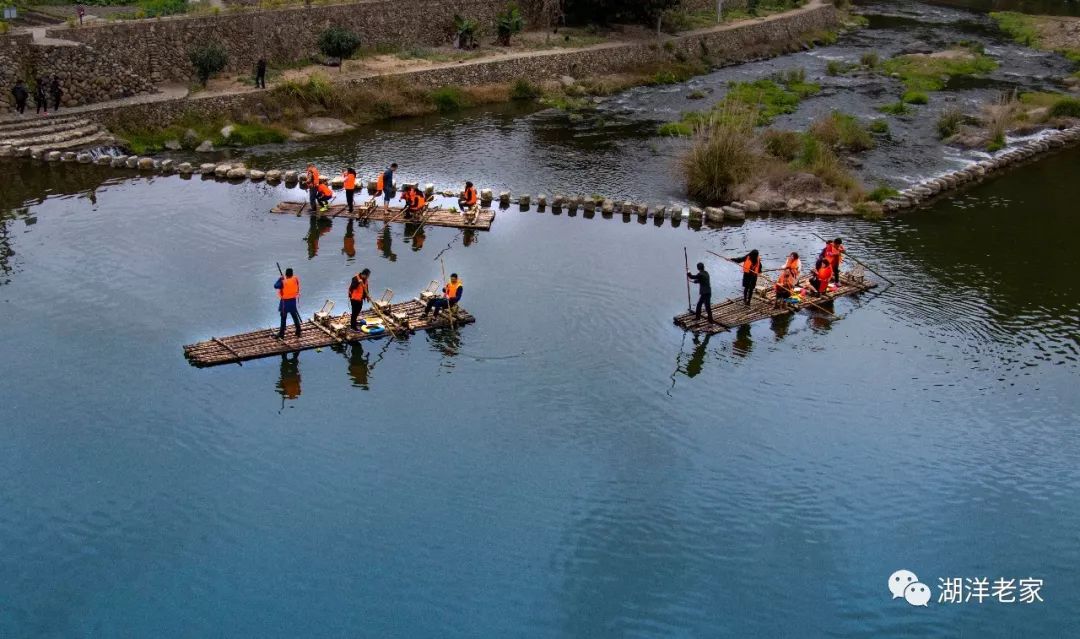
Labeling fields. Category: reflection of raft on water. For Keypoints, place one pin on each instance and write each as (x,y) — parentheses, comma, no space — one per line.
(732,312)
(364,211)
(324,330)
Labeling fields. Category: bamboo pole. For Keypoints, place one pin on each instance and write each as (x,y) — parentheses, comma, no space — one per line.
(442,267)
(686,262)
(857,261)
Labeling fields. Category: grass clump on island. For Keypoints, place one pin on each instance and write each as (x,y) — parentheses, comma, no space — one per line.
(767,97)
(924,73)
(191,131)
(732,158)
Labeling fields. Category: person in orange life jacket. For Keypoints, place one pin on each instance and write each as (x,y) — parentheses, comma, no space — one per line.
(834,253)
(414,201)
(288,290)
(325,195)
(789,277)
(358,292)
(350,186)
(312,175)
(451,296)
(704,291)
(819,279)
(751,268)
(468,197)
(385,186)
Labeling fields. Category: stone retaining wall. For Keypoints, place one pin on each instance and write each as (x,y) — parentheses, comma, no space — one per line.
(87,74)
(746,41)
(158,49)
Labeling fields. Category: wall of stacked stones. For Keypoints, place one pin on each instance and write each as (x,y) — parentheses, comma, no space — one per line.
(750,40)
(158,49)
(87,74)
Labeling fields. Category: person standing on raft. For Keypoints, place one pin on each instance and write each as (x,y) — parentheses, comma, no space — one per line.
(451,296)
(385,186)
(313,186)
(751,268)
(350,186)
(288,290)
(704,291)
(833,253)
(358,292)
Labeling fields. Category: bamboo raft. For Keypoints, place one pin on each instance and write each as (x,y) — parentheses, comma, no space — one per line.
(375,212)
(317,333)
(732,312)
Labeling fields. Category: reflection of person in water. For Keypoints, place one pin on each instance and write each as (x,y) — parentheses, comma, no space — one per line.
(359,366)
(288,385)
(349,247)
(469,237)
(418,240)
(780,325)
(384,243)
(697,358)
(318,227)
(743,343)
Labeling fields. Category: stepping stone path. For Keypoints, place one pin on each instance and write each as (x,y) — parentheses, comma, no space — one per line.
(36,137)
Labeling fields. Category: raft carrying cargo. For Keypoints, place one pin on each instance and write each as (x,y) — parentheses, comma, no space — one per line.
(369,211)
(732,313)
(321,331)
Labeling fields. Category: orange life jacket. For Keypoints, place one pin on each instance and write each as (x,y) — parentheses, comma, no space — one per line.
(824,274)
(325,191)
(312,176)
(379,183)
(751,267)
(290,288)
(787,278)
(350,182)
(452,289)
(794,265)
(418,201)
(357,294)
(470,196)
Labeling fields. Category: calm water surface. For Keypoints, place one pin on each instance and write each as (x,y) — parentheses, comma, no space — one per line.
(570,465)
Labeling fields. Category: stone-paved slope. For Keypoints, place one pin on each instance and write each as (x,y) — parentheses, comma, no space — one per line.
(34,136)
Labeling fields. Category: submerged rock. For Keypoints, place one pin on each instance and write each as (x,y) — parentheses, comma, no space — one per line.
(206,147)
(324,126)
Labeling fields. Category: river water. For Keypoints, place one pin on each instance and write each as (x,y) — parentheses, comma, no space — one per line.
(570,465)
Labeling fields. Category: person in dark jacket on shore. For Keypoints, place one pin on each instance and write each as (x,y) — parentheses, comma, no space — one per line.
(56,92)
(751,268)
(41,98)
(704,291)
(21,95)
(260,74)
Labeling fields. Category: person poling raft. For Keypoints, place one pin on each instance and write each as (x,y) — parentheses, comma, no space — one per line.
(288,291)
(704,291)
(751,268)
(358,292)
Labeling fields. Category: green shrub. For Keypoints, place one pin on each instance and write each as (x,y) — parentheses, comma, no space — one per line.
(252,135)
(770,99)
(448,99)
(465,30)
(509,22)
(819,159)
(869,60)
(949,122)
(915,97)
(896,108)
(879,126)
(996,143)
(208,59)
(882,193)
(524,90)
(783,145)
(340,43)
(159,8)
(696,94)
(1066,108)
(835,67)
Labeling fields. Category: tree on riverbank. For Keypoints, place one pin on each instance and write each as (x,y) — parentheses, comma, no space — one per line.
(339,43)
(208,59)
